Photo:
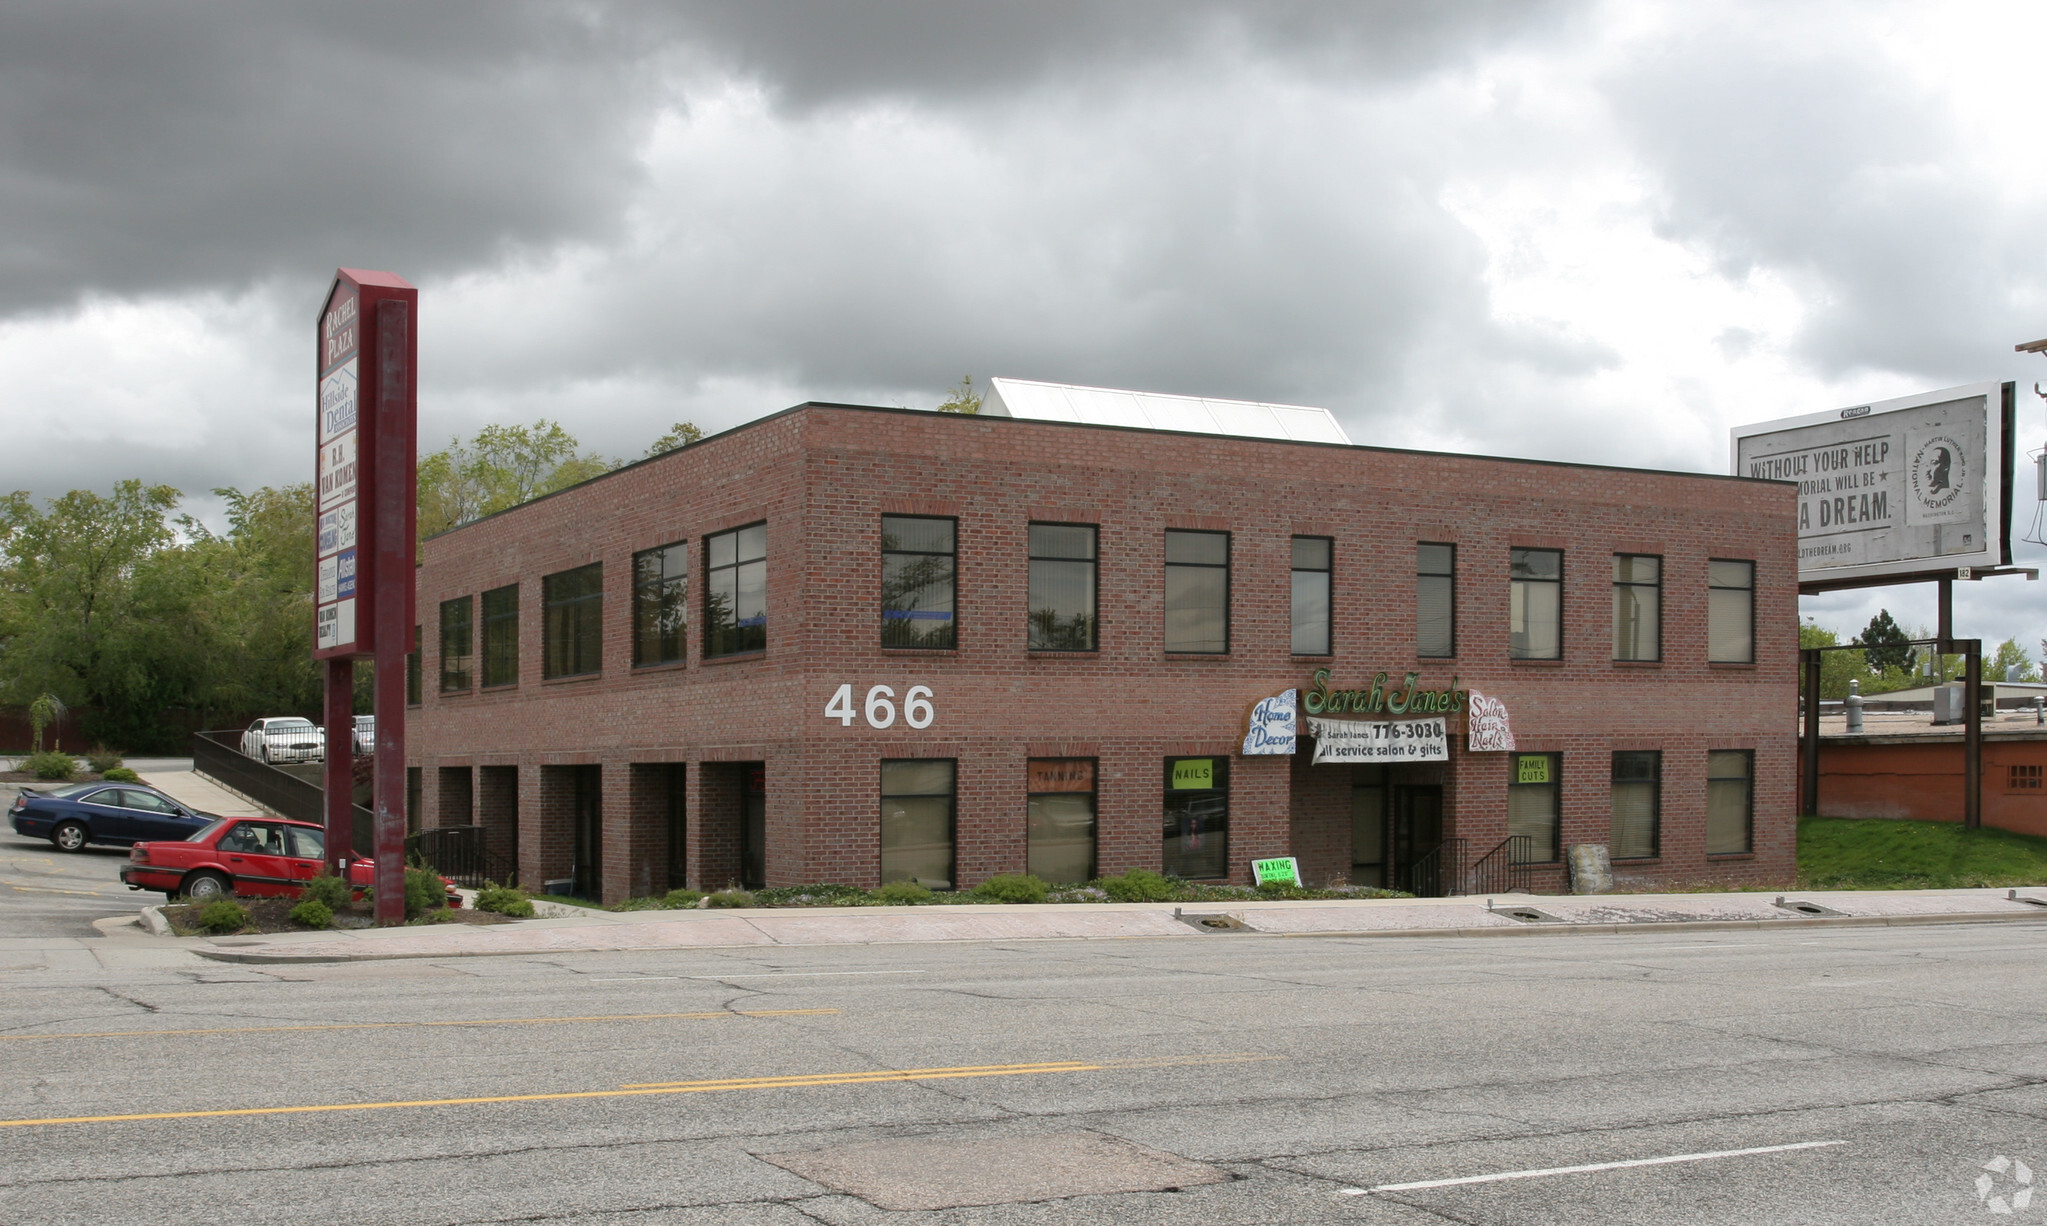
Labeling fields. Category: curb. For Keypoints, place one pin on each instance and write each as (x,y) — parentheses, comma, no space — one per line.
(153,920)
(1530,930)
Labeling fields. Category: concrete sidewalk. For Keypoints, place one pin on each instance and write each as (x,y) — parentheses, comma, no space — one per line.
(189,788)
(1442,917)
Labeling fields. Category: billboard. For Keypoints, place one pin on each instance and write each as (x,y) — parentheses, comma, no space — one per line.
(1919,485)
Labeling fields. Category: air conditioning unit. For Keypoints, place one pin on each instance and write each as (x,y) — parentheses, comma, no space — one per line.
(1948,704)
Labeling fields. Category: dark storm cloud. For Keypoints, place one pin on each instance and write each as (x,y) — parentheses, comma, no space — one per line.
(1833,169)
(169,148)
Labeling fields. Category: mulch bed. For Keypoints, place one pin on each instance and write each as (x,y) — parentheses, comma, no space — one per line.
(29,777)
(274,915)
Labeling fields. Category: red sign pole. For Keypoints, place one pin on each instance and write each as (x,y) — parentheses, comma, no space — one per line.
(366,546)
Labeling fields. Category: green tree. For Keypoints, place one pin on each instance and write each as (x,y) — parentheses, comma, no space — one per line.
(1837,668)
(681,434)
(2009,655)
(963,399)
(500,468)
(1889,645)
(254,610)
(95,605)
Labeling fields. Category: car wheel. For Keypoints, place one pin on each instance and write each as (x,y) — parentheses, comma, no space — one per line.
(207,887)
(71,836)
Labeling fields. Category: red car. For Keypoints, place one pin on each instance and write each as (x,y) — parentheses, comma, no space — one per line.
(260,857)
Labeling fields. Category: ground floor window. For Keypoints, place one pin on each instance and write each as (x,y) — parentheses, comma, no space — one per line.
(753,828)
(1060,827)
(1368,826)
(1730,801)
(1637,804)
(1197,828)
(917,809)
(1532,804)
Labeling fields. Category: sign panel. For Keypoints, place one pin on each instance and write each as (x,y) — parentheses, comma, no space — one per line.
(1194,773)
(1900,487)
(1061,775)
(1486,727)
(1272,726)
(1286,870)
(1531,768)
(1379,741)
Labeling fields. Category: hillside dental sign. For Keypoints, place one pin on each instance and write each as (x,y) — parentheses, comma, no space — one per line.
(1900,487)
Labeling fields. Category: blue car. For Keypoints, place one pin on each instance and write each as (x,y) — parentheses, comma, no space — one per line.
(116,814)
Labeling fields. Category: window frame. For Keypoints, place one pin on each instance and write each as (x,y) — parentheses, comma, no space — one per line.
(953,579)
(1555,787)
(952,812)
(415,671)
(1748,780)
(1219,764)
(556,610)
(659,586)
(1513,581)
(1094,794)
(1451,575)
(499,627)
(1328,573)
(1655,783)
(742,644)
(458,680)
(1712,587)
(1631,584)
(1166,625)
(1094,562)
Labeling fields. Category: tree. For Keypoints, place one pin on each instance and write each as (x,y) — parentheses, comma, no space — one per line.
(1889,645)
(681,434)
(1837,668)
(964,399)
(254,611)
(2009,655)
(500,468)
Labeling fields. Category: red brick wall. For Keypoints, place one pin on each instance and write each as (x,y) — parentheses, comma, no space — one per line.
(822,477)
(1923,782)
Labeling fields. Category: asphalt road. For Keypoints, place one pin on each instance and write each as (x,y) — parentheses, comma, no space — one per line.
(48,893)
(1266,1079)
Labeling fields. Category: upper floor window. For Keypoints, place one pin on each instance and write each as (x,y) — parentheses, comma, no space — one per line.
(1637,607)
(458,644)
(1062,595)
(736,591)
(918,558)
(1730,612)
(1435,600)
(572,603)
(1198,591)
(1535,614)
(1311,595)
(501,635)
(660,607)
(415,682)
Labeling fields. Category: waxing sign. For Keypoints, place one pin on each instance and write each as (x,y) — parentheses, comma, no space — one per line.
(1380,740)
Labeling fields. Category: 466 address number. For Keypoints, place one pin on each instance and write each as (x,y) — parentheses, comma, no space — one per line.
(880,707)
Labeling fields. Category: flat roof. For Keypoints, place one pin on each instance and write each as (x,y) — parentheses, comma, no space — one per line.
(1107,406)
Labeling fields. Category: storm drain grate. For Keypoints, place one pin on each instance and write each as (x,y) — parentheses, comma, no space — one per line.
(1799,906)
(1527,915)
(1213,923)
(2013,896)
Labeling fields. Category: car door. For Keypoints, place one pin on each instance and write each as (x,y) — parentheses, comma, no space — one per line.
(306,852)
(106,816)
(254,854)
(154,817)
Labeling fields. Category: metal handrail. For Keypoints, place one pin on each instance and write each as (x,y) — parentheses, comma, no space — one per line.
(1504,869)
(218,756)
(1438,872)
(461,854)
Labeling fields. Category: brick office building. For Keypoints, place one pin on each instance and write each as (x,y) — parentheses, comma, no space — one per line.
(855,644)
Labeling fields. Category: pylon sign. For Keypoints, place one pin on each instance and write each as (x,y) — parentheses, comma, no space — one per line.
(366,432)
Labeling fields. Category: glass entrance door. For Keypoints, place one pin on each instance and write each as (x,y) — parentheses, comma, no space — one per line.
(753,828)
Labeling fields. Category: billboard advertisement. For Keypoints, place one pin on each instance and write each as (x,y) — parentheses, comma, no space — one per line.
(1913,486)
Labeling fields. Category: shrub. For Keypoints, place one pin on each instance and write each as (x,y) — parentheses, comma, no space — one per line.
(731,897)
(903,894)
(223,915)
(424,892)
(681,899)
(312,913)
(642,903)
(439,915)
(120,774)
(1138,885)
(101,759)
(328,890)
(822,894)
(50,764)
(1013,887)
(504,900)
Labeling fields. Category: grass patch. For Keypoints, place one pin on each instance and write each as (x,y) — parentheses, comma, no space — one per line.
(1837,853)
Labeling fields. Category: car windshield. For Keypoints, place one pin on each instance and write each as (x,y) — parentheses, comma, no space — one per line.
(199,835)
(291,725)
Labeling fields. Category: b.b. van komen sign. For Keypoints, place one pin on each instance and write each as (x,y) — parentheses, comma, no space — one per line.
(1905,486)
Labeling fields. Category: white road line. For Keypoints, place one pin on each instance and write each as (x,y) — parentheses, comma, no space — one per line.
(756,975)
(1595,1166)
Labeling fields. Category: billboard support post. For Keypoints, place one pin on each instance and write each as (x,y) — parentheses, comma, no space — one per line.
(1809,784)
(1972,734)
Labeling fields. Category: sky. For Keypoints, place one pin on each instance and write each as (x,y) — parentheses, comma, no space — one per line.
(1567,229)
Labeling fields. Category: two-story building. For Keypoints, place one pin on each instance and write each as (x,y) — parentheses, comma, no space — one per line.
(856,645)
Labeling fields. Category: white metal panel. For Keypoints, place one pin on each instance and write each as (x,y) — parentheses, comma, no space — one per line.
(1102,406)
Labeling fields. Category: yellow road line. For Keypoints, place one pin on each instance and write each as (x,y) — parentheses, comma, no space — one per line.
(39,889)
(484,1021)
(684,1087)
